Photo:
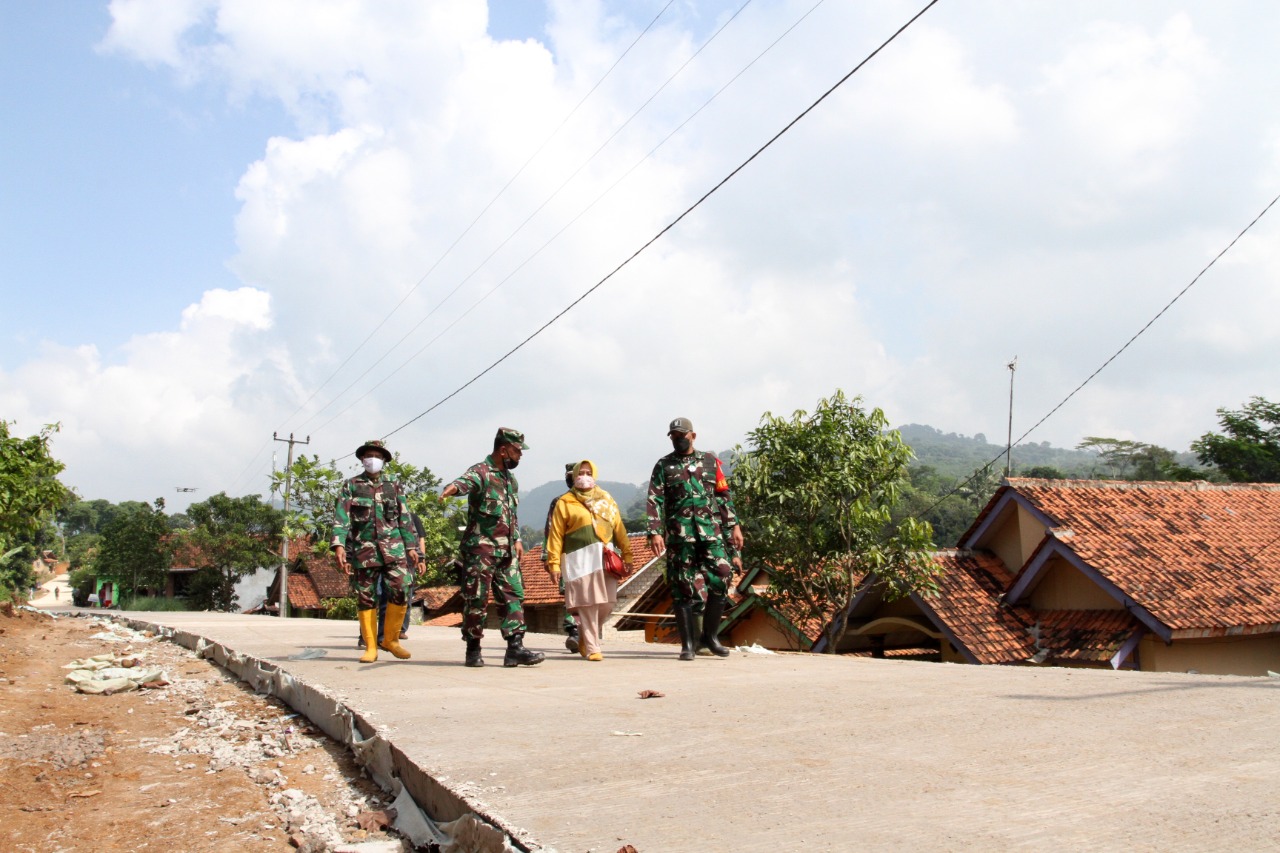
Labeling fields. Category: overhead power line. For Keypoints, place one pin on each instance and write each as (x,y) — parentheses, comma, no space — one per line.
(585,210)
(1113,357)
(673,222)
(474,221)
(519,228)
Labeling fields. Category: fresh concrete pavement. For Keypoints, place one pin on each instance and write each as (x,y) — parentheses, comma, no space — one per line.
(803,752)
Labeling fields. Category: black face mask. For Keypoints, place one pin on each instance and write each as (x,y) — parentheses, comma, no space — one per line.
(682,444)
(510,464)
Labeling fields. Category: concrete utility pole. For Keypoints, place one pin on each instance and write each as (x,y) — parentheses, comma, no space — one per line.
(1008,445)
(284,549)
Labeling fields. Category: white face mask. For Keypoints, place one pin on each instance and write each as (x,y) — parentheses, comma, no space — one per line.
(372,464)
(584,482)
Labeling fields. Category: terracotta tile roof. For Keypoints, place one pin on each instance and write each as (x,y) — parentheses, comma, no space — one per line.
(436,597)
(302,593)
(540,589)
(968,606)
(329,580)
(446,620)
(1203,559)
(1084,635)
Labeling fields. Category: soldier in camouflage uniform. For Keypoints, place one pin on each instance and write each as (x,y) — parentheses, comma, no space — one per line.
(570,624)
(690,514)
(491,549)
(373,534)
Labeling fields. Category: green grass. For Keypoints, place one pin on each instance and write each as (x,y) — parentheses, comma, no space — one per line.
(152,603)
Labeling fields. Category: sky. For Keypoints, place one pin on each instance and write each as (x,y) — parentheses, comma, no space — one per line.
(226,219)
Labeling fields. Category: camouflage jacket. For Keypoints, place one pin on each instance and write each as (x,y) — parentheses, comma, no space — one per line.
(493,496)
(372,521)
(688,499)
(546,528)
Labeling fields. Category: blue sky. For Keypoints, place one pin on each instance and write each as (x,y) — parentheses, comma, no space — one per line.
(206,205)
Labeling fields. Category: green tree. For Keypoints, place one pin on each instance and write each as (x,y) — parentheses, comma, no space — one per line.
(134,549)
(313,491)
(441,519)
(816,494)
(233,537)
(1136,460)
(30,493)
(1249,451)
(948,504)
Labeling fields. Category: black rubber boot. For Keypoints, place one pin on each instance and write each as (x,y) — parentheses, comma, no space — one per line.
(518,655)
(571,641)
(684,624)
(711,614)
(473,653)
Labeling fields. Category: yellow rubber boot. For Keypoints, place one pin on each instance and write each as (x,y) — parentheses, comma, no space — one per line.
(391,630)
(369,633)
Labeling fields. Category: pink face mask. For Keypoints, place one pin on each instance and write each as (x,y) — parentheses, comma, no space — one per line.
(583,482)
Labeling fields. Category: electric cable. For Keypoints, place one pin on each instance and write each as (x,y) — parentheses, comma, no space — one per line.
(600,197)
(1112,358)
(473,224)
(673,222)
(519,228)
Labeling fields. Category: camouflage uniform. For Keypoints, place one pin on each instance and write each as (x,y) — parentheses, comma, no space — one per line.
(488,549)
(570,626)
(689,505)
(372,522)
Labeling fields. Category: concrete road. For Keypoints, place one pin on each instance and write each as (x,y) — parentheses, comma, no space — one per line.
(798,752)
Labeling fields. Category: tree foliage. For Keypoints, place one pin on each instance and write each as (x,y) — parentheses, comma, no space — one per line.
(948,504)
(1249,449)
(441,520)
(816,494)
(233,538)
(1135,460)
(313,490)
(30,494)
(134,550)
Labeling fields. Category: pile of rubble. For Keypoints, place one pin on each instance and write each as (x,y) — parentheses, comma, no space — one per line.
(253,737)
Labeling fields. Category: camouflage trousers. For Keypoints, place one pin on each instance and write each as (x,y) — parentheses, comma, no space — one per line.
(696,570)
(570,624)
(394,580)
(480,572)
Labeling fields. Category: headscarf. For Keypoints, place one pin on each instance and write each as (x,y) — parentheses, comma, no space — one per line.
(604,510)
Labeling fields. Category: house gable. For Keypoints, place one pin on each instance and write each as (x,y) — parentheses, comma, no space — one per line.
(1010,526)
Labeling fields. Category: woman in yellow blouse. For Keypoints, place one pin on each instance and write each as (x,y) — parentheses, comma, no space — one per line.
(585,521)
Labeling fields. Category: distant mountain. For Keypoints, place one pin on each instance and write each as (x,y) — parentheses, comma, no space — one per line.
(534,503)
(960,455)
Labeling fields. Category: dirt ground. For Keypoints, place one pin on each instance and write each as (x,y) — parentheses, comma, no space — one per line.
(198,764)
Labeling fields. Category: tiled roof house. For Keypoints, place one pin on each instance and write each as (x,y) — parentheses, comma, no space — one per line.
(312,578)
(1151,576)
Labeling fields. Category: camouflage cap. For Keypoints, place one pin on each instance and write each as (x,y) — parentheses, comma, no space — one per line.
(506,435)
(680,425)
(377,446)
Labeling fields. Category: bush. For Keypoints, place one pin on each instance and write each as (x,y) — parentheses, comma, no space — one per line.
(340,608)
(153,603)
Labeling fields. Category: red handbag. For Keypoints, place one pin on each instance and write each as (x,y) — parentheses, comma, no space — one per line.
(613,563)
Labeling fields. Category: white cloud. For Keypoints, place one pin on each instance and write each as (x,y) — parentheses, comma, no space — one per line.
(968,197)
(169,405)
(1129,97)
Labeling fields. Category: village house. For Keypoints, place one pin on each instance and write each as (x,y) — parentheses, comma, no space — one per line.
(1166,577)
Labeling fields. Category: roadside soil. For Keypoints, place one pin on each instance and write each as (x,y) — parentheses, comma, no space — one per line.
(198,764)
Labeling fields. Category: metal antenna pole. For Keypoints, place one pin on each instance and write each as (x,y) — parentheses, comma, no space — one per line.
(284,549)
(1008,444)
